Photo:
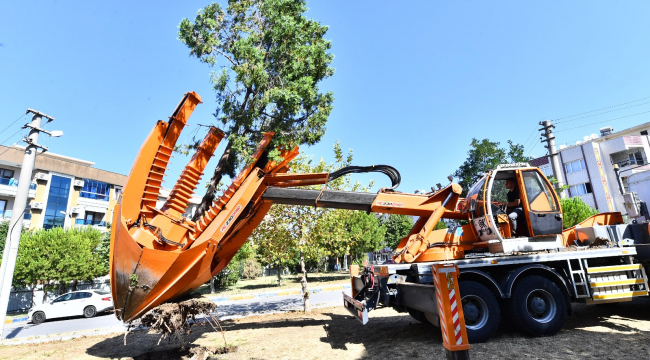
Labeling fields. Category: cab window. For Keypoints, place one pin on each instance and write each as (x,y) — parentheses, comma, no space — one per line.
(474,202)
(539,194)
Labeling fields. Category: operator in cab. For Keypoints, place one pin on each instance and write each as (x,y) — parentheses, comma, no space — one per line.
(514,208)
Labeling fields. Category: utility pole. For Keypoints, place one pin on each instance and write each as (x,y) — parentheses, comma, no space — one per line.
(547,135)
(20,204)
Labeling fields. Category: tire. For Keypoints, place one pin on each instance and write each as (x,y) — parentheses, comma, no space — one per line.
(481,311)
(90,311)
(537,307)
(38,317)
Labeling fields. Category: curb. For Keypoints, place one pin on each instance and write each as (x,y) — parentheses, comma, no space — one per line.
(63,336)
(10,321)
(277,293)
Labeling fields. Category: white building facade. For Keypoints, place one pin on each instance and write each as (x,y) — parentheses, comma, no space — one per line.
(588,166)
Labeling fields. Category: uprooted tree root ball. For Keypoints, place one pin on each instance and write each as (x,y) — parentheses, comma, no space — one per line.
(175,320)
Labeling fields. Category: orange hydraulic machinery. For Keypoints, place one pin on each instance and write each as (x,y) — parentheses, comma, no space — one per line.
(157,254)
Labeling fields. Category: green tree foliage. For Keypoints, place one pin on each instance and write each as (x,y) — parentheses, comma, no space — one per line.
(251,269)
(575,211)
(60,255)
(273,59)
(4,229)
(231,274)
(363,232)
(440,225)
(485,155)
(104,249)
(397,227)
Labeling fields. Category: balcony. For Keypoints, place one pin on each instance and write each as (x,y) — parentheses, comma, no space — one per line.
(91,222)
(6,215)
(9,187)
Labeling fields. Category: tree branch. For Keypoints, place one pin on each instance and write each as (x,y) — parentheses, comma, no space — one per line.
(224,55)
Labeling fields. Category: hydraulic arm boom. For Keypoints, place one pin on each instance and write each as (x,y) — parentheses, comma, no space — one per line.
(157,254)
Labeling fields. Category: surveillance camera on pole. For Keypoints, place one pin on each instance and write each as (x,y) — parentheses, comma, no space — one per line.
(20,205)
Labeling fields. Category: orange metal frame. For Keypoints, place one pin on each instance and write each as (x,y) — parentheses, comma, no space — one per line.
(157,254)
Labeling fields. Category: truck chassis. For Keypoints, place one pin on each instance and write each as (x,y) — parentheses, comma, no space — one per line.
(534,291)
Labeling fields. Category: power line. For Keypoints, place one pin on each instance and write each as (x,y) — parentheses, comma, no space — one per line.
(9,138)
(598,122)
(12,123)
(531,149)
(529,136)
(609,107)
(606,112)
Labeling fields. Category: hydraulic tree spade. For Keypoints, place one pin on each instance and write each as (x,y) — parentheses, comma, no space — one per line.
(158,255)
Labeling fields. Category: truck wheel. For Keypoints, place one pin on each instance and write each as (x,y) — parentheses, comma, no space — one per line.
(481,311)
(537,307)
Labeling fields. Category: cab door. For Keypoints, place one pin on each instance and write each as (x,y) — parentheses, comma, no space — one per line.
(544,213)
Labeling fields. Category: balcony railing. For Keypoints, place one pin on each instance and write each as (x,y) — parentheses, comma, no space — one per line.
(632,162)
(6,214)
(90,222)
(14,182)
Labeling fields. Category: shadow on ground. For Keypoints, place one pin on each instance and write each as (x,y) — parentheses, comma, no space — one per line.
(609,331)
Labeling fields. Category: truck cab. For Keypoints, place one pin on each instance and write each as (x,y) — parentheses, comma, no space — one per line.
(487,200)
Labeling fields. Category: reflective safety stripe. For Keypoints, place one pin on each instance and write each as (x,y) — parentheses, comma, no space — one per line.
(603,269)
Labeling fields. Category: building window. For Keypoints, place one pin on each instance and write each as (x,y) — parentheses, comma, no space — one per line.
(3,209)
(575,166)
(95,190)
(57,202)
(636,158)
(92,218)
(581,189)
(7,177)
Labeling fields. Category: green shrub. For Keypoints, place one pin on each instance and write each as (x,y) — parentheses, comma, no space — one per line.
(229,275)
(575,211)
(251,269)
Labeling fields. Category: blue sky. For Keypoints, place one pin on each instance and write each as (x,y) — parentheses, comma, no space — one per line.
(414,81)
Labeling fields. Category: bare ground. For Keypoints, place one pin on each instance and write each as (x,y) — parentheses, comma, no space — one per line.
(617,331)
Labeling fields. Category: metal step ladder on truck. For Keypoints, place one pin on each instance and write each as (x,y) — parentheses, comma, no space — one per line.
(530,279)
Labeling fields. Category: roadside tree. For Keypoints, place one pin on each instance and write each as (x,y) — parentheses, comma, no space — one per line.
(274,57)
(485,155)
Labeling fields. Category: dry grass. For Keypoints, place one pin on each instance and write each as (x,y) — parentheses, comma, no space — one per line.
(595,332)
(270,283)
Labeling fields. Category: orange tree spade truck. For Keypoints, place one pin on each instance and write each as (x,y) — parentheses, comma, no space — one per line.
(530,276)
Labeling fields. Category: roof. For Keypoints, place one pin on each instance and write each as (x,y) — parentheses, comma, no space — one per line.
(543,160)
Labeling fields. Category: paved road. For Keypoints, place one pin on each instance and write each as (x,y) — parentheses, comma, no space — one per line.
(225,309)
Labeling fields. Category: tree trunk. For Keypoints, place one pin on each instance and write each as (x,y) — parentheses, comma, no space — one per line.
(74,285)
(213,287)
(345,263)
(303,282)
(279,275)
(210,194)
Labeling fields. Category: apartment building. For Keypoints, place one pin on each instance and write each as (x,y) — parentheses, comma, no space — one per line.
(588,165)
(64,191)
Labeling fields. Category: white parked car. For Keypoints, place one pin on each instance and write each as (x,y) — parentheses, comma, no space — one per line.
(85,302)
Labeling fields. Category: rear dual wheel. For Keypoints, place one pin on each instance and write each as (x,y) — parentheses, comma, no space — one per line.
(537,307)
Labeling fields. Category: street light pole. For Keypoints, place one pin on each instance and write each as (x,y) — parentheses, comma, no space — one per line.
(20,204)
